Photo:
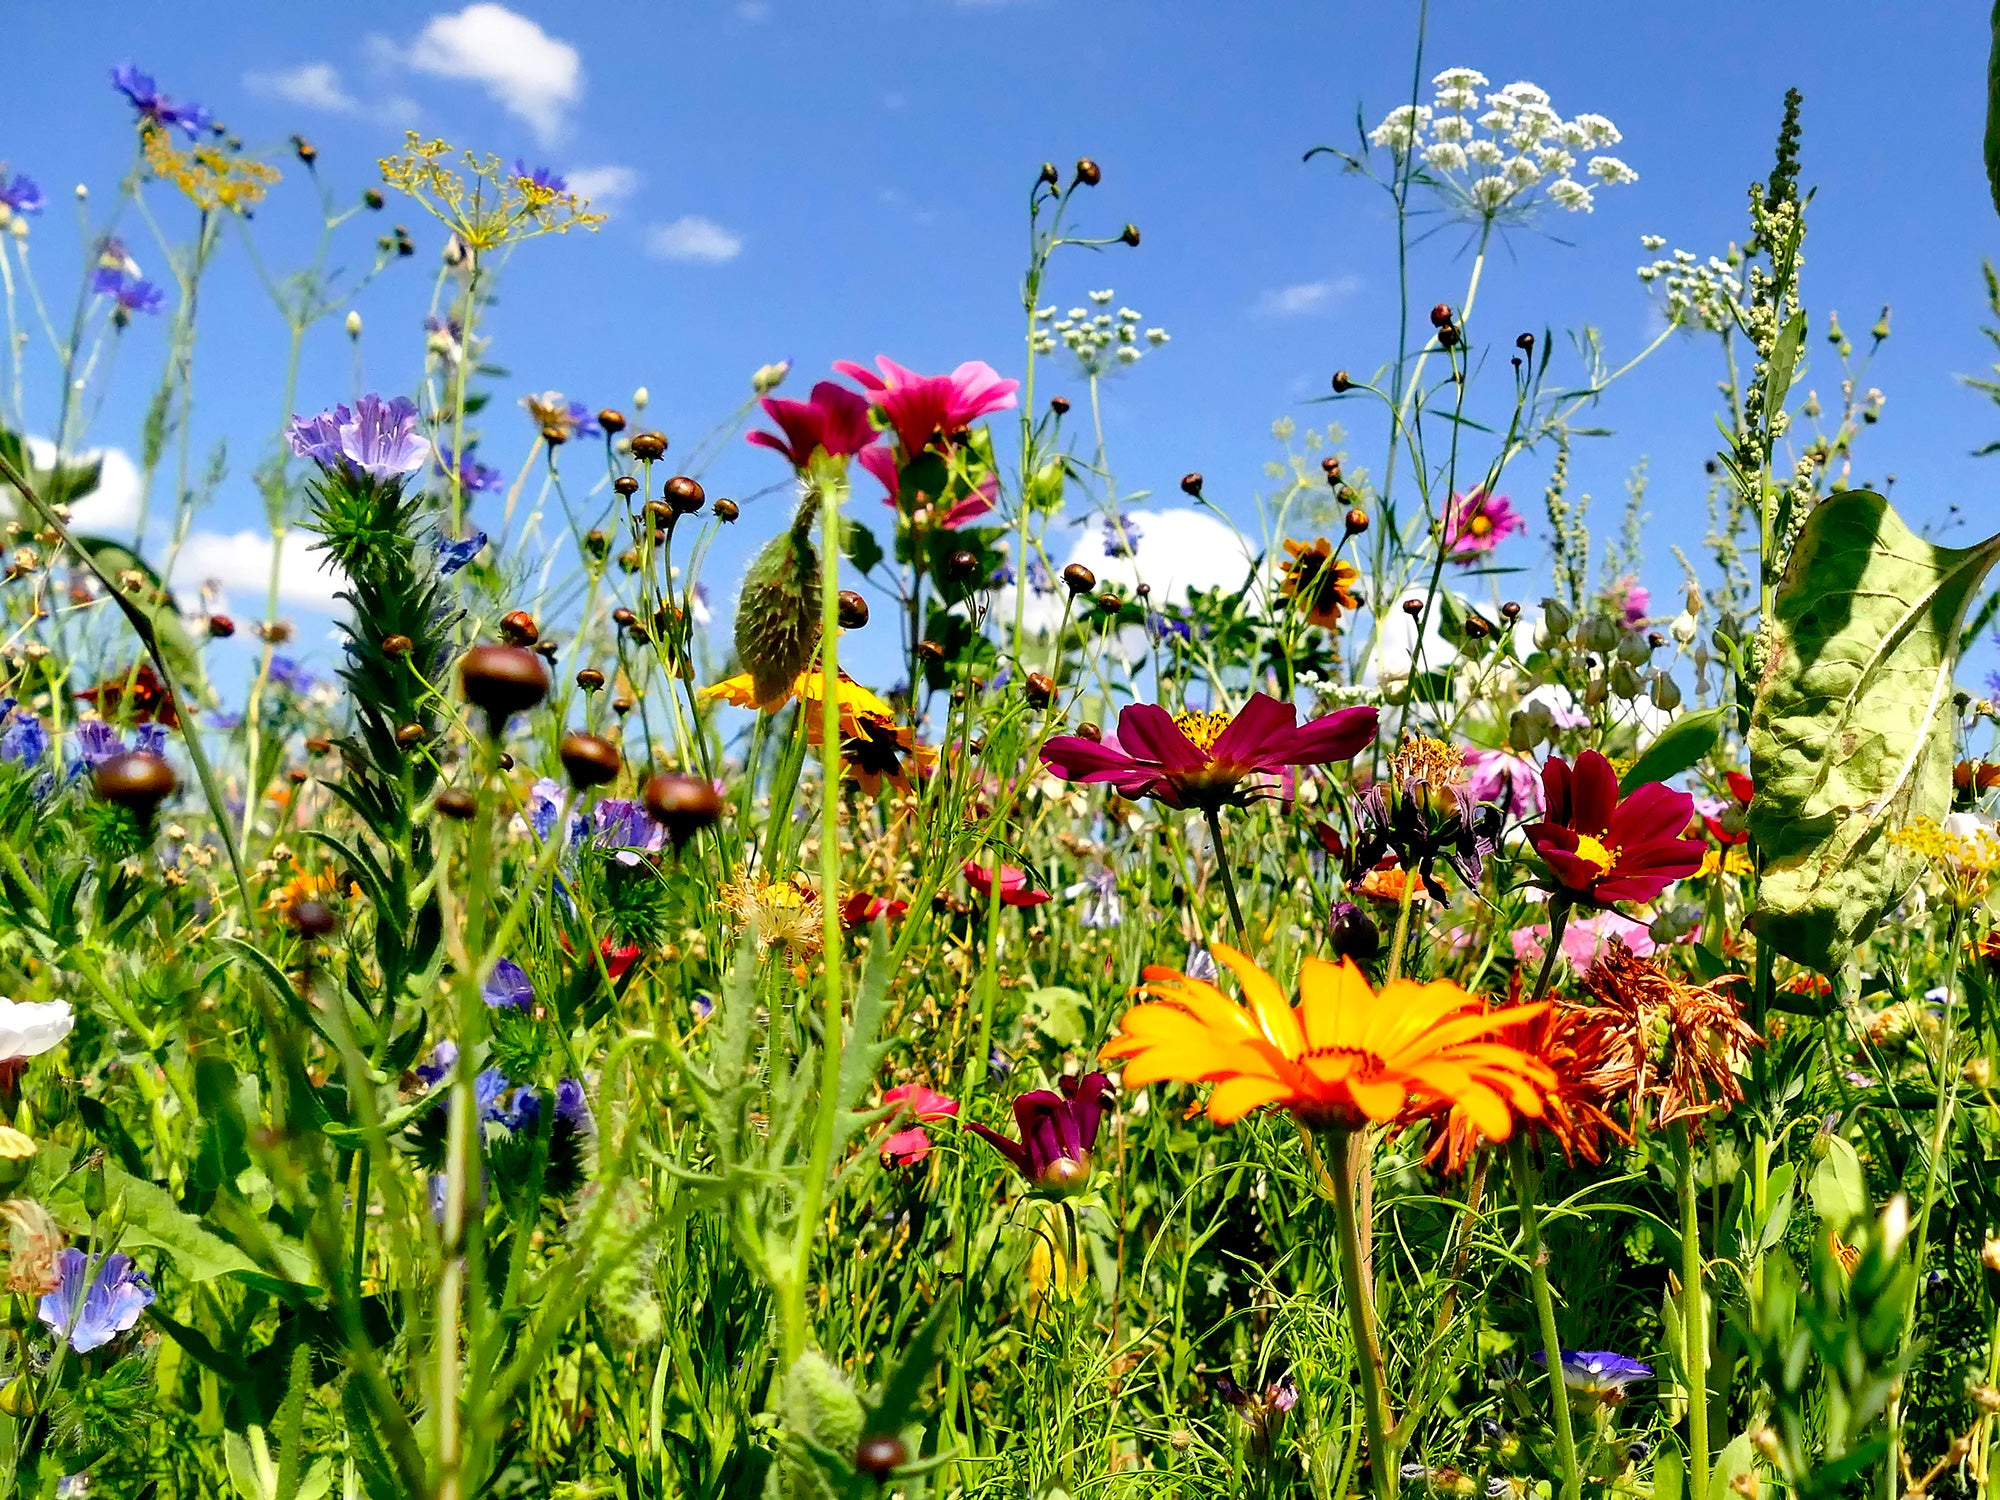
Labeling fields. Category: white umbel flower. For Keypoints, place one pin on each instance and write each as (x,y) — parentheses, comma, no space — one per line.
(28,1028)
(1609,169)
(1572,195)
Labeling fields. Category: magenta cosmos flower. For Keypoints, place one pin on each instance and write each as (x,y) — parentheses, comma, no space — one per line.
(1477,522)
(835,420)
(880,462)
(1202,759)
(910,1146)
(1058,1133)
(1602,848)
(927,408)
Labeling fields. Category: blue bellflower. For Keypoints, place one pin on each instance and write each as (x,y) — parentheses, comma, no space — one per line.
(92,1318)
(1598,1373)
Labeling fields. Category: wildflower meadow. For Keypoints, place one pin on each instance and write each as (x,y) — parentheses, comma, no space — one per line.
(948,1002)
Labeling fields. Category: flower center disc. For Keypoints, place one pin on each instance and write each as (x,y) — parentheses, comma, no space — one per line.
(1203,729)
(1590,849)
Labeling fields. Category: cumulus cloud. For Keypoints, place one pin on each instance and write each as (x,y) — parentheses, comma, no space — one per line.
(241,561)
(110,509)
(522,68)
(1306,298)
(310,85)
(1176,550)
(692,237)
(602,185)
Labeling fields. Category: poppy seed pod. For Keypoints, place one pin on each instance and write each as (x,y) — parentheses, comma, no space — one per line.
(1357,521)
(1441,315)
(518,628)
(311,919)
(590,679)
(396,646)
(1130,235)
(853,610)
(1341,384)
(1059,405)
(457,804)
(1078,579)
(1525,342)
(625,485)
(136,779)
(589,759)
(503,680)
(685,495)
(1191,485)
(221,627)
(931,652)
(1088,172)
(682,804)
(961,566)
(611,420)
(880,1455)
(725,510)
(1049,174)
(649,447)
(1089,731)
(1040,688)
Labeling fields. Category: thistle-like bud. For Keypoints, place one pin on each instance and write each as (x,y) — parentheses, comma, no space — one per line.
(777,614)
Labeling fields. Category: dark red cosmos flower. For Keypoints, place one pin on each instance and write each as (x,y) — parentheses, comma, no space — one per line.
(864,906)
(1015,889)
(1202,759)
(1729,827)
(1602,850)
(1058,1132)
(836,419)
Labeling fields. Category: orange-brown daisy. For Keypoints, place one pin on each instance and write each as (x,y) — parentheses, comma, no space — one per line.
(1320,585)
(1671,1046)
(875,750)
(135,696)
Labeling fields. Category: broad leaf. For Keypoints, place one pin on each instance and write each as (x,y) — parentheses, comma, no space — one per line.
(1679,746)
(1852,734)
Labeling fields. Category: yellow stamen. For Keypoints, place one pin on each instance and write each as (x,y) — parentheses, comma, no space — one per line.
(1588,848)
(1203,729)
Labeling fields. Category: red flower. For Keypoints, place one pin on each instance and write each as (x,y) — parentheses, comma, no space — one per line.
(923,408)
(835,420)
(138,695)
(1729,828)
(863,907)
(617,958)
(1603,850)
(1202,759)
(908,1147)
(1058,1132)
(1014,887)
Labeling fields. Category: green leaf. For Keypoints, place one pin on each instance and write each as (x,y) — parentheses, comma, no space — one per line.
(1667,1473)
(1993,111)
(1678,747)
(1838,1187)
(153,600)
(858,544)
(1736,1459)
(1852,734)
(1057,1012)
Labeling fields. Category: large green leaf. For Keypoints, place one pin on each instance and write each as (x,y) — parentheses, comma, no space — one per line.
(1853,730)
(1679,746)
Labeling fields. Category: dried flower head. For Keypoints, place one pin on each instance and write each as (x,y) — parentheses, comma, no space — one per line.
(778,913)
(34,1248)
(1670,1047)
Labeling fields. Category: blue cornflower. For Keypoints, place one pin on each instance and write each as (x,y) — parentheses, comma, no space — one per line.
(1598,1373)
(23,740)
(377,438)
(626,827)
(146,97)
(507,987)
(92,1317)
(474,477)
(151,738)
(287,673)
(132,294)
(541,177)
(21,194)
(582,421)
(97,742)
(1165,628)
(1121,535)
(1040,579)
(444,1057)
(453,555)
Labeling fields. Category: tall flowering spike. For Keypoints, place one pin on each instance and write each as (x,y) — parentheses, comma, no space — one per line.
(1601,848)
(1345,1055)
(377,438)
(834,422)
(1203,760)
(924,408)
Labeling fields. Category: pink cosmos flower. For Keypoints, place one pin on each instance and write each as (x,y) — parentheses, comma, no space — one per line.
(906,1148)
(1509,781)
(880,462)
(1583,939)
(1477,522)
(1014,887)
(835,420)
(1629,596)
(921,407)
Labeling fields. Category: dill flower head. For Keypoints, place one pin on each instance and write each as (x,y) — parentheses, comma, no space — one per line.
(208,172)
(1963,851)
(481,202)
(1319,585)
(778,913)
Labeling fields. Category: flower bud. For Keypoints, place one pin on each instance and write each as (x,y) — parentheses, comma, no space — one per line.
(1353,933)
(1595,692)
(611,419)
(1130,235)
(1066,1176)
(1078,579)
(312,920)
(1666,692)
(726,510)
(1191,485)
(682,804)
(589,759)
(880,1456)
(1556,616)
(1634,648)
(504,681)
(1089,731)
(1049,176)
(1059,405)
(221,627)
(354,325)
(853,610)
(1357,521)
(649,447)
(1040,688)
(1683,628)
(961,566)
(1523,733)
(1624,681)
(1600,633)
(685,495)
(1441,315)
(136,779)
(1341,383)
(590,679)
(518,628)
(1525,342)
(625,486)
(767,378)
(1088,172)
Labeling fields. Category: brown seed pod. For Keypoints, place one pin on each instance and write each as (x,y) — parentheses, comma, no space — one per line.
(590,679)
(1331,464)
(221,627)
(297,776)
(518,628)
(318,745)
(1109,602)
(621,706)
(546,649)
(1357,521)
(726,510)
(1089,731)
(1524,342)
(412,735)
(1447,338)
(1078,579)
(1144,591)
(1441,315)
(589,759)
(623,618)
(649,447)
(611,419)
(135,779)
(659,513)
(1476,628)
(880,1455)
(853,610)
(930,651)
(503,680)
(1130,235)
(1191,485)
(1059,405)
(1413,607)
(1510,611)
(628,560)
(1088,172)
(1040,688)
(1049,174)
(395,647)
(625,485)
(311,919)
(555,435)
(960,566)
(1341,384)
(457,804)
(685,495)
(682,804)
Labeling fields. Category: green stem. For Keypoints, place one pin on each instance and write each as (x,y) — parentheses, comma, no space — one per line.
(1401,934)
(1545,1312)
(1694,1319)
(1382,1461)
(1228,880)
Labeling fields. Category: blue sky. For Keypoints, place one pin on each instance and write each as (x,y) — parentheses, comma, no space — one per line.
(821,181)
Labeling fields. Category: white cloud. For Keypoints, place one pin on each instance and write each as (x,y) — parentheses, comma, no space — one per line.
(602,185)
(692,237)
(1172,551)
(312,85)
(112,509)
(753,11)
(1306,298)
(241,561)
(522,68)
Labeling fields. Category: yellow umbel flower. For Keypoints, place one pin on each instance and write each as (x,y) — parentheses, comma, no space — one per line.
(211,175)
(483,203)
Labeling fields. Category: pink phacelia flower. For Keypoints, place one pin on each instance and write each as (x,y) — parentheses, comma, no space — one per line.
(1477,522)
(1511,782)
(1584,938)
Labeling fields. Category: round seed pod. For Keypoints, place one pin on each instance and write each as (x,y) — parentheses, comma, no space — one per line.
(853,610)
(136,779)
(518,628)
(1040,688)
(1357,521)
(590,679)
(1049,174)
(396,647)
(880,1455)
(648,447)
(457,804)
(1524,342)
(726,510)
(685,495)
(411,735)
(1130,235)
(589,759)
(595,542)
(311,919)
(1088,172)
(611,419)
(221,627)
(1191,485)
(930,651)
(682,804)
(621,706)
(503,680)
(1341,383)
(1441,315)
(623,618)
(1078,579)
(625,485)
(1089,731)
(960,566)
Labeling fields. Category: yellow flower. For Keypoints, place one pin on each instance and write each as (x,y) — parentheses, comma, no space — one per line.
(856,702)
(485,205)
(213,176)
(778,913)
(1318,585)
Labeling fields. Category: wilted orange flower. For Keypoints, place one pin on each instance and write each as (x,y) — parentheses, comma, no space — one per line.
(1673,1045)
(1319,585)
(136,696)
(1346,1055)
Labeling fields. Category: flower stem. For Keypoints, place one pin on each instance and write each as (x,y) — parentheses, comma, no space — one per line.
(1545,1312)
(1361,1319)
(1401,935)
(1228,880)
(1694,1320)
(1558,920)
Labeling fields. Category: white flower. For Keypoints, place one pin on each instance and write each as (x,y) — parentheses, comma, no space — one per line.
(1652,241)
(1157,335)
(1520,93)
(1485,153)
(1044,313)
(1127,315)
(1554,159)
(1490,192)
(1609,169)
(1452,128)
(1127,355)
(1445,157)
(30,1028)
(1497,121)
(1456,101)
(1574,133)
(1078,314)
(1568,193)
(1402,128)
(1601,132)
(1100,298)
(1523,172)
(1460,78)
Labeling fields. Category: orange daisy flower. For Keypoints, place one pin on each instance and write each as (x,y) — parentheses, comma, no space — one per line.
(1318,584)
(1344,1056)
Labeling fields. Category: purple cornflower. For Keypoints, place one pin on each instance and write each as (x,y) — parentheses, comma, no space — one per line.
(1039,577)
(21,194)
(377,438)
(474,477)
(542,177)
(287,673)
(1121,536)
(97,742)
(1598,1373)
(453,555)
(1057,1133)
(131,294)
(146,97)
(1099,892)
(582,420)
(23,740)
(92,1317)
(626,827)
(507,987)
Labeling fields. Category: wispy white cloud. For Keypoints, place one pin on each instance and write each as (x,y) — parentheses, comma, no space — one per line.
(1306,298)
(113,507)
(522,68)
(310,85)
(242,561)
(602,185)
(691,237)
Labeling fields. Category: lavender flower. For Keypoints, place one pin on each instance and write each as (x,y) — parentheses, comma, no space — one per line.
(287,673)
(627,828)
(1121,536)
(155,106)
(132,294)
(474,477)
(97,742)
(508,987)
(20,194)
(377,438)
(90,1317)
(453,555)
(1598,1372)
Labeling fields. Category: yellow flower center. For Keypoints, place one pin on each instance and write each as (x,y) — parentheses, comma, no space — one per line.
(1203,729)
(1588,848)
(1480,525)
